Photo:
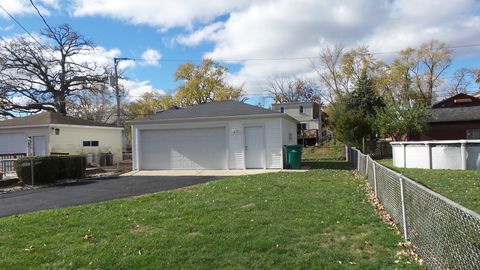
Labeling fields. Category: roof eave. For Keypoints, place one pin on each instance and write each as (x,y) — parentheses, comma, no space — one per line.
(59,125)
(233,117)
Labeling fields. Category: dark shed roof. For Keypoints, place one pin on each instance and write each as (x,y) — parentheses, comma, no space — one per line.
(458,100)
(47,118)
(211,109)
(455,114)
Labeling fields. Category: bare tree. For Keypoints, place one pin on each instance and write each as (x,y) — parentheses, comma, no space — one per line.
(45,74)
(95,105)
(476,75)
(293,90)
(432,59)
(329,70)
(462,79)
(339,70)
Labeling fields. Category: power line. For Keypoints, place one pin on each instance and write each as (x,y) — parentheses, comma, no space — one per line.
(288,58)
(25,29)
(41,16)
(53,34)
(218,59)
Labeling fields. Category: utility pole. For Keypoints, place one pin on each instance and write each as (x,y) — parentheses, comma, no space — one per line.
(116,60)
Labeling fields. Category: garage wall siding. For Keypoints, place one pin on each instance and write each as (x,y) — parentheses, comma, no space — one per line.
(273,139)
(70,140)
(289,127)
(33,131)
(235,130)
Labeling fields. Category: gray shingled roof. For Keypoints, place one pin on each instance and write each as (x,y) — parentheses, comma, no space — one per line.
(455,114)
(211,109)
(47,118)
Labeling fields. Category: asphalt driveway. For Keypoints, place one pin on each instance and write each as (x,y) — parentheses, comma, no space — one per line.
(89,191)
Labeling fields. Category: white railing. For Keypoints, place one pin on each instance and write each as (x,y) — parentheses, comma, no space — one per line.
(445,234)
(7,162)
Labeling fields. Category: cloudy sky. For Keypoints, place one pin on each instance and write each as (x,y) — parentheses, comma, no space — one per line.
(258,40)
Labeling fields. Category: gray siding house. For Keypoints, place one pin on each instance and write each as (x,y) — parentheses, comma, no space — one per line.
(312,120)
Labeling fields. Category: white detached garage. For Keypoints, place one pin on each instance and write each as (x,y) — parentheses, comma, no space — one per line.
(216,135)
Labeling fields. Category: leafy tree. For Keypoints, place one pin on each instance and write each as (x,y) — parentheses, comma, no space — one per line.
(204,83)
(36,77)
(415,75)
(293,90)
(364,98)
(351,128)
(400,123)
(351,117)
(395,81)
(148,104)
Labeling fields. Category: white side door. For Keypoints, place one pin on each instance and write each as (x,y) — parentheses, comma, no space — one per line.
(254,148)
(39,146)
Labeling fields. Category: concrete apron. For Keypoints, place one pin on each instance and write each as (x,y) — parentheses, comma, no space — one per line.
(205,172)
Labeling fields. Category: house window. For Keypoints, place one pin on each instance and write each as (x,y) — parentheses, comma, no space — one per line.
(473,134)
(57,131)
(282,109)
(90,143)
(301,109)
(303,126)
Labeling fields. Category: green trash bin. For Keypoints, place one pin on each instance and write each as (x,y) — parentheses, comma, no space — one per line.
(294,156)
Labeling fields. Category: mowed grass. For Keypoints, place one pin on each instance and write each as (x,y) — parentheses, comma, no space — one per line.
(460,186)
(328,151)
(315,220)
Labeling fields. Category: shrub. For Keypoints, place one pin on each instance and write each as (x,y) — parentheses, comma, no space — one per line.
(50,169)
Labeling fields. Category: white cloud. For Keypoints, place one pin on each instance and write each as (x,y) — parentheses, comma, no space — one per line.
(196,37)
(163,14)
(24,7)
(7,28)
(151,57)
(279,29)
(411,22)
(285,28)
(99,55)
(135,89)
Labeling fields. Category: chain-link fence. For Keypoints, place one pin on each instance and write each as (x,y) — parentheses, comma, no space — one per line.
(445,234)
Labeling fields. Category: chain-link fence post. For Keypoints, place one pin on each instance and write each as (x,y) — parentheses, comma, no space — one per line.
(31,170)
(404,212)
(375,179)
(358,159)
(366,165)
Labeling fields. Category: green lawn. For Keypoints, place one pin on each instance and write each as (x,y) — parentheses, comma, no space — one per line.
(315,220)
(460,186)
(328,151)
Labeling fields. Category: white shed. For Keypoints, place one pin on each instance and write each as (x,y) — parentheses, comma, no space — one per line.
(215,135)
(51,133)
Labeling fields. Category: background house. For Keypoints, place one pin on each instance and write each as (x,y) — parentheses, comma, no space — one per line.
(454,118)
(51,133)
(312,126)
(215,135)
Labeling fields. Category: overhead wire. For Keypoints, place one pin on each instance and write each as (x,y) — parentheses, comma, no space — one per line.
(287,58)
(200,59)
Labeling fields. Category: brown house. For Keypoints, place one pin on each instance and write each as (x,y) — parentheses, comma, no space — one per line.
(454,118)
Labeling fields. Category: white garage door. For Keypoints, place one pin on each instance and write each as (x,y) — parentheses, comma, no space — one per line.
(199,148)
(13,143)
